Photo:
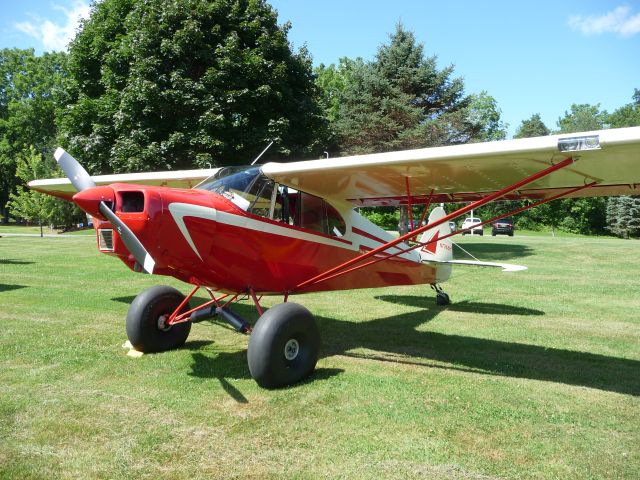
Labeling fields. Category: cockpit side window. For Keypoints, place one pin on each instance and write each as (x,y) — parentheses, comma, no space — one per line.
(261,195)
(255,193)
(314,213)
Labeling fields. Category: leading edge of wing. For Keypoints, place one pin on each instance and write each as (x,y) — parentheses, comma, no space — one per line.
(463,169)
(62,187)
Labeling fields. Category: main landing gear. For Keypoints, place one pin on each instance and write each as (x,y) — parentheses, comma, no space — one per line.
(147,326)
(283,348)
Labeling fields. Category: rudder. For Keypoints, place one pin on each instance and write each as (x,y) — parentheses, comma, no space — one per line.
(437,250)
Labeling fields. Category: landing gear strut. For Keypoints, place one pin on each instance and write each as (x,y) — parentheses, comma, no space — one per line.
(442,298)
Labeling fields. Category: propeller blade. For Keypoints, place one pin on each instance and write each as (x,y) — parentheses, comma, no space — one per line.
(130,240)
(79,177)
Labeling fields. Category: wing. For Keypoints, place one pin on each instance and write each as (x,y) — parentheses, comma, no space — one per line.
(463,173)
(61,187)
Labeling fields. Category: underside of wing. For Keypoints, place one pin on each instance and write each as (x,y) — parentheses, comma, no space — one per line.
(62,187)
(463,173)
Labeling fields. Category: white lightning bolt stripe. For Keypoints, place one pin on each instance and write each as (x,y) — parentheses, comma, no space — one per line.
(181,210)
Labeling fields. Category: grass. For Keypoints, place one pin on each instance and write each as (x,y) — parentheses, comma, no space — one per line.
(14,228)
(528,375)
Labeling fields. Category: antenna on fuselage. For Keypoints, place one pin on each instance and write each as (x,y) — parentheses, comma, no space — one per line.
(262,152)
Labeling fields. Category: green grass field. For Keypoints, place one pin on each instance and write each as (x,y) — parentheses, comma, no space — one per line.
(533,375)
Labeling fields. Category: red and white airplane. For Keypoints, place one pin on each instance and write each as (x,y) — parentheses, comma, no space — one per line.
(291,228)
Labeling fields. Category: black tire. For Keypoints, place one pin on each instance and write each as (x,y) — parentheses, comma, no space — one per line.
(144,317)
(442,299)
(284,346)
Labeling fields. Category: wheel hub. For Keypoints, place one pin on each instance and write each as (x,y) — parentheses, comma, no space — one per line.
(162,323)
(291,349)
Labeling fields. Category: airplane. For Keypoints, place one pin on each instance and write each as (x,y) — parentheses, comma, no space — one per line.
(292,228)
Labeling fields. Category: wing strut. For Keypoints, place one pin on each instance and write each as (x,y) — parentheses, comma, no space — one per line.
(342,268)
(457,232)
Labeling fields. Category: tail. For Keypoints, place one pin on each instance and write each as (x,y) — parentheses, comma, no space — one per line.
(436,250)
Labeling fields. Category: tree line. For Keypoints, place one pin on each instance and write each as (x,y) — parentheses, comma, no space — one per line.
(154,85)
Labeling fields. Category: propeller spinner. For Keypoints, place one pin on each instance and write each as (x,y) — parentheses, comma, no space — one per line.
(83,182)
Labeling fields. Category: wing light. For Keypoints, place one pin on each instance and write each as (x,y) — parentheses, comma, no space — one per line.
(575,144)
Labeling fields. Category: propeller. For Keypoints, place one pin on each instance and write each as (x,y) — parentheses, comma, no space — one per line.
(78,176)
(81,180)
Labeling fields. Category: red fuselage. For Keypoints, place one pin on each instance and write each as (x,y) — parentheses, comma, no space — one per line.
(203,238)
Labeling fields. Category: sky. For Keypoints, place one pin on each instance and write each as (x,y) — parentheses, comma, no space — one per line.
(532,57)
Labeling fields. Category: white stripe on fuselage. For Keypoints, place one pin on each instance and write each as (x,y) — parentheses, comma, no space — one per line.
(181,210)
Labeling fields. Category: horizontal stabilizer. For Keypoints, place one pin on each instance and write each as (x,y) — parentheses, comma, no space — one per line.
(506,267)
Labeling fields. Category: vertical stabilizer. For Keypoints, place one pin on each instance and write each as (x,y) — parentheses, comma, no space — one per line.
(437,250)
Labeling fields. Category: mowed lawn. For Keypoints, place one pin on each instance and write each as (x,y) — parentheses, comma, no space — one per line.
(533,374)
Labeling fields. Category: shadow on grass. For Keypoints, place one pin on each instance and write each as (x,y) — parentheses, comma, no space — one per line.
(9,261)
(427,302)
(396,339)
(494,251)
(7,288)
(227,366)
(128,299)
(398,336)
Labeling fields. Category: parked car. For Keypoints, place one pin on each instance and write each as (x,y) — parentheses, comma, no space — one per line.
(472,222)
(504,226)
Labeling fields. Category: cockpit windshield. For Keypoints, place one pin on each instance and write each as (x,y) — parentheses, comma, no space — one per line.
(234,183)
(230,178)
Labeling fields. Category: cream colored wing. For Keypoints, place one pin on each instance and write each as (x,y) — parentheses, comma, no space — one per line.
(467,172)
(62,187)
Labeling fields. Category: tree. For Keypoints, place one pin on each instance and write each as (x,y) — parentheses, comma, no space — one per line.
(582,118)
(623,216)
(31,94)
(533,127)
(484,115)
(627,115)
(332,81)
(402,100)
(584,215)
(33,206)
(166,85)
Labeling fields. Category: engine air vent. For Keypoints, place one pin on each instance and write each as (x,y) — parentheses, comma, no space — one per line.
(105,240)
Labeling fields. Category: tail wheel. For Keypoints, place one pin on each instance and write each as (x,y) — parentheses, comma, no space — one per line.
(146,327)
(284,346)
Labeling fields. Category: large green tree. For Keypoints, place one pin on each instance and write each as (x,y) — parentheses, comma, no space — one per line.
(187,83)
(31,94)
(401,100)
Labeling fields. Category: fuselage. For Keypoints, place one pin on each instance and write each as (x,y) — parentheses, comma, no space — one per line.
(269,241)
